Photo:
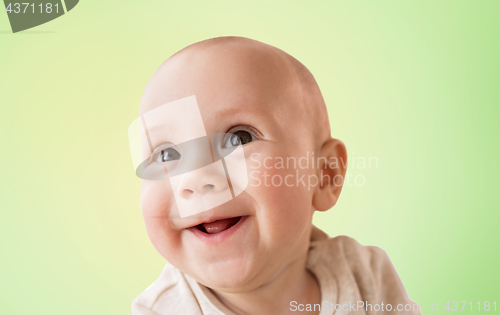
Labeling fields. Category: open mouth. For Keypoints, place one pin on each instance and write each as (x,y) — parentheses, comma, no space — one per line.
(217,226)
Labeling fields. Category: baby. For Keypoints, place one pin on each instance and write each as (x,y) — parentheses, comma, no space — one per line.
(250,247)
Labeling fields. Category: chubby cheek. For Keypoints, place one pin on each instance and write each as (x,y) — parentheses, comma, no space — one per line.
(156,202)
(284,200)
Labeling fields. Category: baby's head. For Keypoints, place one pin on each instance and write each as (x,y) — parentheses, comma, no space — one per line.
(272,103)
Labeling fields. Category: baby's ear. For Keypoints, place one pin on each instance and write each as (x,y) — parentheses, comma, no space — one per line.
(332,166)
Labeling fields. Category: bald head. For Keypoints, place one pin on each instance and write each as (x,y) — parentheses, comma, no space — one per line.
(226,70)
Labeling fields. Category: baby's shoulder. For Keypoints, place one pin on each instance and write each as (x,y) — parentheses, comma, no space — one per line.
(355,253)
(350,251)
(368,269)
(346,258)
(370,263)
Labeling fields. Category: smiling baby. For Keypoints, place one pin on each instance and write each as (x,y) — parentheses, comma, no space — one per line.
(235,229)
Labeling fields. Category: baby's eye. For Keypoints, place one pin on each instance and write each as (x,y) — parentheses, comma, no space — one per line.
(168,154)
(239,137)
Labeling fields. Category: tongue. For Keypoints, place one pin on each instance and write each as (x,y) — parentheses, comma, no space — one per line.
(219,225)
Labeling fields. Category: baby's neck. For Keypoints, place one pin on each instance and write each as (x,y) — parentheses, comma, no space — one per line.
(293,283)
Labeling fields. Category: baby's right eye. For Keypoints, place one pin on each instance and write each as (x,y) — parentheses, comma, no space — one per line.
(165,152)
(168,154)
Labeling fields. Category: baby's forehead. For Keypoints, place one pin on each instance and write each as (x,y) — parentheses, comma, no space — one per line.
(221,77)
(220,96)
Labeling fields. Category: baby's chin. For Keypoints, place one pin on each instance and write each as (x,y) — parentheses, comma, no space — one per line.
(229,275)
(226,274)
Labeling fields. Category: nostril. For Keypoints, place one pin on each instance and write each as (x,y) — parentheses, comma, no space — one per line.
(186,193)
(208,188)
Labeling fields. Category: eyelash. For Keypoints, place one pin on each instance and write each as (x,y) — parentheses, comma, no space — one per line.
(246,128)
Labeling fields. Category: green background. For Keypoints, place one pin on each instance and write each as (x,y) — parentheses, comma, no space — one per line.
(413,83)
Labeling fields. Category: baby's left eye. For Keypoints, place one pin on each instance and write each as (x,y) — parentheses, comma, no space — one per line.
(240,137)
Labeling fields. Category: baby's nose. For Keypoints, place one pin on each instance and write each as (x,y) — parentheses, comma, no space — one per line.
(202,181)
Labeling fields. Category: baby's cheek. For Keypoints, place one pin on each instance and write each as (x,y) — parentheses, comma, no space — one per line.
(156,198)
(284,209)
(281,191)
(156,202)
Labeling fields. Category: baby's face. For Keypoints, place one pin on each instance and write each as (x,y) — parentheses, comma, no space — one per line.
(266,226)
